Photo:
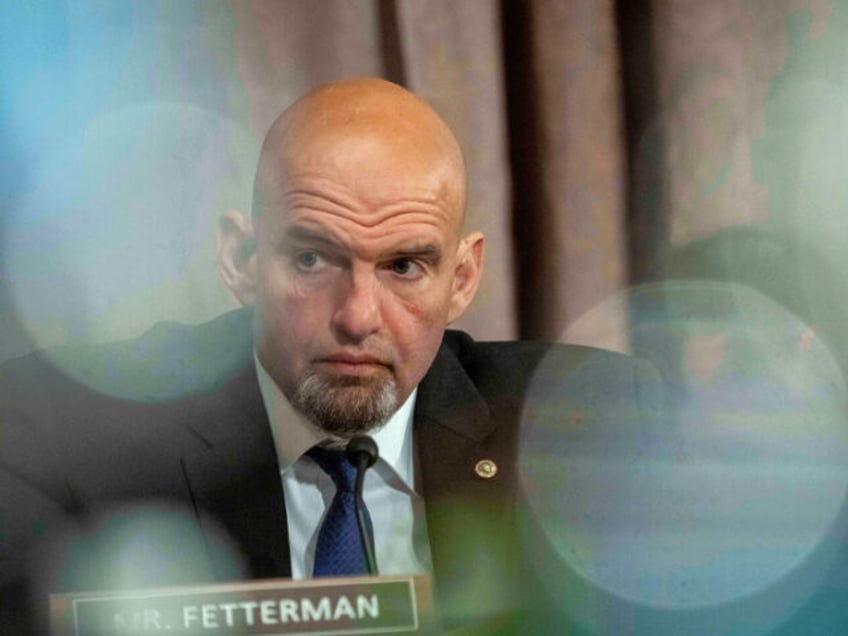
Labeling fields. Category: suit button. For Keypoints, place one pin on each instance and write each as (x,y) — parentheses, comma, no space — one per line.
(486,468)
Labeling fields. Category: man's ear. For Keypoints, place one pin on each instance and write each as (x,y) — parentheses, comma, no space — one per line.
(237,255)
(469,268)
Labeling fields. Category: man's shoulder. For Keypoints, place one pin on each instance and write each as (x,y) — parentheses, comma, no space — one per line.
(508,359)
(539,372)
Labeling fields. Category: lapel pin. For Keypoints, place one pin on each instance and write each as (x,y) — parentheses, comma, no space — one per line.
(486,468)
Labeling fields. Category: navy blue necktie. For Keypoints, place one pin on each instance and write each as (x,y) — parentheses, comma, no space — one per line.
(339,548)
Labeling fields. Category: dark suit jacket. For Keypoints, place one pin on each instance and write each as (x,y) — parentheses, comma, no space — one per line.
(170,428)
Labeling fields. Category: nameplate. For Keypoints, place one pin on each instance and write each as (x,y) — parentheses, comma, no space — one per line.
(353,605)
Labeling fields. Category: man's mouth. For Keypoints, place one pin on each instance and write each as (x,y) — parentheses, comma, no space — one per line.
(354,364)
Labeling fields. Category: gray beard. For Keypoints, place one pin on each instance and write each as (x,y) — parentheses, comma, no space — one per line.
(346,407)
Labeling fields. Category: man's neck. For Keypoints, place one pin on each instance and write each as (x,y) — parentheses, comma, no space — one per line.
(294,433)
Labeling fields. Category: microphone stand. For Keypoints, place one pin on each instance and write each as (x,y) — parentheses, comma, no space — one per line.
(362,453)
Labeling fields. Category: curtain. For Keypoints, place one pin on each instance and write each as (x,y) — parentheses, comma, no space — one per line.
(608,144)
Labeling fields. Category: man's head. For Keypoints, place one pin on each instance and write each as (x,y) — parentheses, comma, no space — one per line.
(353,256)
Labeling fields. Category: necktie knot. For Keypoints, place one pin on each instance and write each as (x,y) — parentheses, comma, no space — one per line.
(336,465)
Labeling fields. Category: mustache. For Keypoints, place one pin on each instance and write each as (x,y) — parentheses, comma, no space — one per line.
(354,356)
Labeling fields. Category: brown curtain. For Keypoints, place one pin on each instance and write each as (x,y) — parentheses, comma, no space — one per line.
(608,143)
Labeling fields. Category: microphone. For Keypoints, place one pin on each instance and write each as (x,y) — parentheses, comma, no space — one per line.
(362,452)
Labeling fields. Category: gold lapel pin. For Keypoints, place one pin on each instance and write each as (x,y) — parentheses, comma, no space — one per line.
(486,468)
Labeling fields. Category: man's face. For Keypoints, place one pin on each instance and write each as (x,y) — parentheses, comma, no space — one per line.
(356,262)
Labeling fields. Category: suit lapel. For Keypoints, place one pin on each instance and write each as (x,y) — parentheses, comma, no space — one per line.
(470,518)
(451,421)
(234,479)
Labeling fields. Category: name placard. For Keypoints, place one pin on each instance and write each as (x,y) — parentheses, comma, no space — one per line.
(354,605)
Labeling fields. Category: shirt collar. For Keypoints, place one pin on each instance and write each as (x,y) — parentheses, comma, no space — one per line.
(394,439)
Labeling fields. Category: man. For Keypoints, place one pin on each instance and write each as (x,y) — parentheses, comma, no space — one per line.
(354,263)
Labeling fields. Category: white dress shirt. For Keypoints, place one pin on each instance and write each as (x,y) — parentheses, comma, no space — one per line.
(397,511)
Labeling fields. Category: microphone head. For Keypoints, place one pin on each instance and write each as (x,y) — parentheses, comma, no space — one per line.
(362,450)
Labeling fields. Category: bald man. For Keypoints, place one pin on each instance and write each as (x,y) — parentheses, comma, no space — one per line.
(351,265)
(354,261)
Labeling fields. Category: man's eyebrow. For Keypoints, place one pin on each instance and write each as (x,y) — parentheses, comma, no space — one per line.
(300,234)
(427,251)
(297,234)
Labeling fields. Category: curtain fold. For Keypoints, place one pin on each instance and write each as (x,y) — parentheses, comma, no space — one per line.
(567,160)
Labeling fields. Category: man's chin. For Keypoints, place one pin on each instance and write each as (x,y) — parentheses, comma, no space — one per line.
(347,405)
(344,381)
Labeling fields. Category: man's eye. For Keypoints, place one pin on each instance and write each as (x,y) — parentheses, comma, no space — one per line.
(405,267)
(307,259)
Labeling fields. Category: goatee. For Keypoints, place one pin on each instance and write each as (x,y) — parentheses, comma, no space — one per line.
(346,406)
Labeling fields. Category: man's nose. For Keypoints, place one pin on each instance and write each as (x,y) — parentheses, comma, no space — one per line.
(358,312)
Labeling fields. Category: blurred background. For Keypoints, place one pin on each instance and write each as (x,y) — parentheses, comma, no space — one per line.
(664,177)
